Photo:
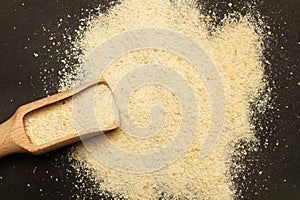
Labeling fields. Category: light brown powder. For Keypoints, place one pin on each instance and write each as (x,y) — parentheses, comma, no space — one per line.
(236,50)
(58,120)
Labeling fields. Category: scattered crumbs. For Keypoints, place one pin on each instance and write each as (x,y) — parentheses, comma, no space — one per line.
(188,177)
(34,170)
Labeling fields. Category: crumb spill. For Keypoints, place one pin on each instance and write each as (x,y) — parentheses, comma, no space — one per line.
(236,48)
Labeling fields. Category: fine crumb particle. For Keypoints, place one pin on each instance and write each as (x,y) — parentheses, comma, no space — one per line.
(236,48)
(35,55)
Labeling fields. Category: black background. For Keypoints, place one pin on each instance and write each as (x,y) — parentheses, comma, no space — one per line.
(22,78)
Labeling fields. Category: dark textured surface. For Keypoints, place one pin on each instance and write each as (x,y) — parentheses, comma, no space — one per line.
(50,177)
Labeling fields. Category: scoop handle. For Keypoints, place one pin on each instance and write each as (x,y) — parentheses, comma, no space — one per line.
(7,145)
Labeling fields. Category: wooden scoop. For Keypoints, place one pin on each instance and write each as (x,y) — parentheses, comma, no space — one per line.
(13,137)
